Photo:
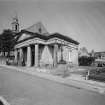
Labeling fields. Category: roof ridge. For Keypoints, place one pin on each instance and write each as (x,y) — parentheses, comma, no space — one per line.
(37,28)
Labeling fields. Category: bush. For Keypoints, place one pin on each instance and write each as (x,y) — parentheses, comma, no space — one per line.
(97,77)
(97,74)
(97,71)
(85,61)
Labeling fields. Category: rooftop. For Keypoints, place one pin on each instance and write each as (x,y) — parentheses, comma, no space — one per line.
(38,30)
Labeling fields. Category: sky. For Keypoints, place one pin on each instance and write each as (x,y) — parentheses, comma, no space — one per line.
(82,20)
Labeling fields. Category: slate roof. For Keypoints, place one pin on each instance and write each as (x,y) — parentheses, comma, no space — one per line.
(45,37)
(38,30)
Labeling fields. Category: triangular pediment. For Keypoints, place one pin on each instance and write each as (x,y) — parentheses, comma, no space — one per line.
(24,36)
(38,28)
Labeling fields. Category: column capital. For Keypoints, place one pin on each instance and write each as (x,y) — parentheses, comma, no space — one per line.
(70,49)
(36,43)
(28,46)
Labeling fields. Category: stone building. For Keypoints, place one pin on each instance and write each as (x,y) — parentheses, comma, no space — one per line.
(37,47)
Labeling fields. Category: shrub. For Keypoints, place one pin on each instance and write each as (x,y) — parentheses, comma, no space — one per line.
(85,61)
(97,74)
(97,77)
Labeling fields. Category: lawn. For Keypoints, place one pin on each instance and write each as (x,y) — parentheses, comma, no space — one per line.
(96,73)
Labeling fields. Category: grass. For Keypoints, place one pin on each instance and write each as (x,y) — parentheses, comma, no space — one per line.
(96,73)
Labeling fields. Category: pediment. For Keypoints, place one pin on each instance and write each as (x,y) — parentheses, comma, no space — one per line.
(38,28)
(24,36)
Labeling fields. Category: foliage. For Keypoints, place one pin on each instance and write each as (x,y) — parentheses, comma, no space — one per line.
(7,41)
(86,61)
(99,76)
(83,52)
(92,54)
(0,43)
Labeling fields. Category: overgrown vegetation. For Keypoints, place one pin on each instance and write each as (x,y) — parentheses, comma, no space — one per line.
(7,41)
(86,61)
(97,74)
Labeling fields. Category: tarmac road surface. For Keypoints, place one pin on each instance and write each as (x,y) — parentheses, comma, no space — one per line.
(23,89)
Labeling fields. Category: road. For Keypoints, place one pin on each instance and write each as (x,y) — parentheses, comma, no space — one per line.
(23,89)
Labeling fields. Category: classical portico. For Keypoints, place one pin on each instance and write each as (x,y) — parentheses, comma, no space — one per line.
(36,47)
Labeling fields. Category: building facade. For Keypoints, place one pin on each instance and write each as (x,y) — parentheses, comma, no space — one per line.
(99,55)
(37,47)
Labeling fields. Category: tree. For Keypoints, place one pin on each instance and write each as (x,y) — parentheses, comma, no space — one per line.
(0,43)
(86,61)
(83,52)
(7,41)
(92,53)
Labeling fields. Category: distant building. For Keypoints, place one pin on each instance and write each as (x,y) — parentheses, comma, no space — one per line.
(99,55)
(99,58)
(36,46)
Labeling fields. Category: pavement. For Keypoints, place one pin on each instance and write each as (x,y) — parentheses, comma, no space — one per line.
(73,80)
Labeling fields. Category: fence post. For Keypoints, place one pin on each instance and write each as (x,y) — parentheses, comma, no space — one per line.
(87,76)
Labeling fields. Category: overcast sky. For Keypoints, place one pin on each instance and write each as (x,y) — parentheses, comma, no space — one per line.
(82,21)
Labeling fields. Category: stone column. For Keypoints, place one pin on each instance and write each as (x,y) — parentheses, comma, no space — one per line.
(36,55)
(55,55)
(20,56)
(75,56)
(28,56)
(70,51)
(15,54)
(61,53)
